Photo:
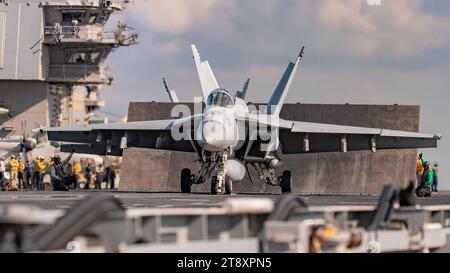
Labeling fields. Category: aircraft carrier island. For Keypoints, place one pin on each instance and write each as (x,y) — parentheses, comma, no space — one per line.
(53,65)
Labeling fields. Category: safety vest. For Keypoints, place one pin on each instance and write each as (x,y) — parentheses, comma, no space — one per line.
(21,167)
(435,171)
(39,166)
(419,167)
(77,168)
(427,179)
(14,165)
(116,171)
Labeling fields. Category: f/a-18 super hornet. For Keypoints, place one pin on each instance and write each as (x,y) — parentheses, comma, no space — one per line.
(227,137)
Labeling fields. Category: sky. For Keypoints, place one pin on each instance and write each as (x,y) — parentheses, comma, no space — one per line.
(357,51)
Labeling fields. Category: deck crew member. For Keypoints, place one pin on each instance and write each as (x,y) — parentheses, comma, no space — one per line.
(424,189)
(14,170)
(39,172)
(57,173)
(21,175)
(435,176)
(419,170)
(2,170)
(77,171)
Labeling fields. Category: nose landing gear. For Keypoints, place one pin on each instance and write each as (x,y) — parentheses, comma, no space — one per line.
(220,182)
(217,188)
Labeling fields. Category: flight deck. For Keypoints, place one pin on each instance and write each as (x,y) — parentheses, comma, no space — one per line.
(143,199)
(127,221)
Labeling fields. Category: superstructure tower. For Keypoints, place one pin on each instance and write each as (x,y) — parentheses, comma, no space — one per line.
(53,61)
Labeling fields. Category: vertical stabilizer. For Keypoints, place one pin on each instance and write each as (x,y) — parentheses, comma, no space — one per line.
(279,96)
(172,95)
(243,93)
(207,79)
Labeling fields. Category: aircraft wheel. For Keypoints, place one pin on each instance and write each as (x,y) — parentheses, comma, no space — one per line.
(185,181)
(214,185)
(286,182)
(228,186)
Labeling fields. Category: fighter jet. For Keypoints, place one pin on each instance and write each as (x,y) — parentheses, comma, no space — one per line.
(227,137)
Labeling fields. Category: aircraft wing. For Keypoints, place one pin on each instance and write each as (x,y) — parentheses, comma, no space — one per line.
(307,137)
(111,139)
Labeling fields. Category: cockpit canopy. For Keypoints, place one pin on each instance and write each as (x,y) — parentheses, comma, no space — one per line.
(220,97)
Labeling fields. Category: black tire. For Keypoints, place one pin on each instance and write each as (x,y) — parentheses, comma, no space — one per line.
(228,186)
(186,181)
(214,186)
(286,182)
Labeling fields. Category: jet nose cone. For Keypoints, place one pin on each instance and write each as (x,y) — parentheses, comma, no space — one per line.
(214,134)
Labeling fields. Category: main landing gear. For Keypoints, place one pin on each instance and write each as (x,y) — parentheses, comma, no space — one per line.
(186,181)
(221,170)
(286,182)
(267,174)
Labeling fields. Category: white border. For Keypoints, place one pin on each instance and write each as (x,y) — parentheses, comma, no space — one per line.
(3,39)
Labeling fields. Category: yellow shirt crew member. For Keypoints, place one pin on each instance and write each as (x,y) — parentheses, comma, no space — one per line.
(419,166)
(77,168)
(39,166)
(14,165)
(21,167)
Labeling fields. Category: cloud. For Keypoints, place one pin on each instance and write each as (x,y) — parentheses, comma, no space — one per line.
(172,16)
(169,48)
(399,27)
